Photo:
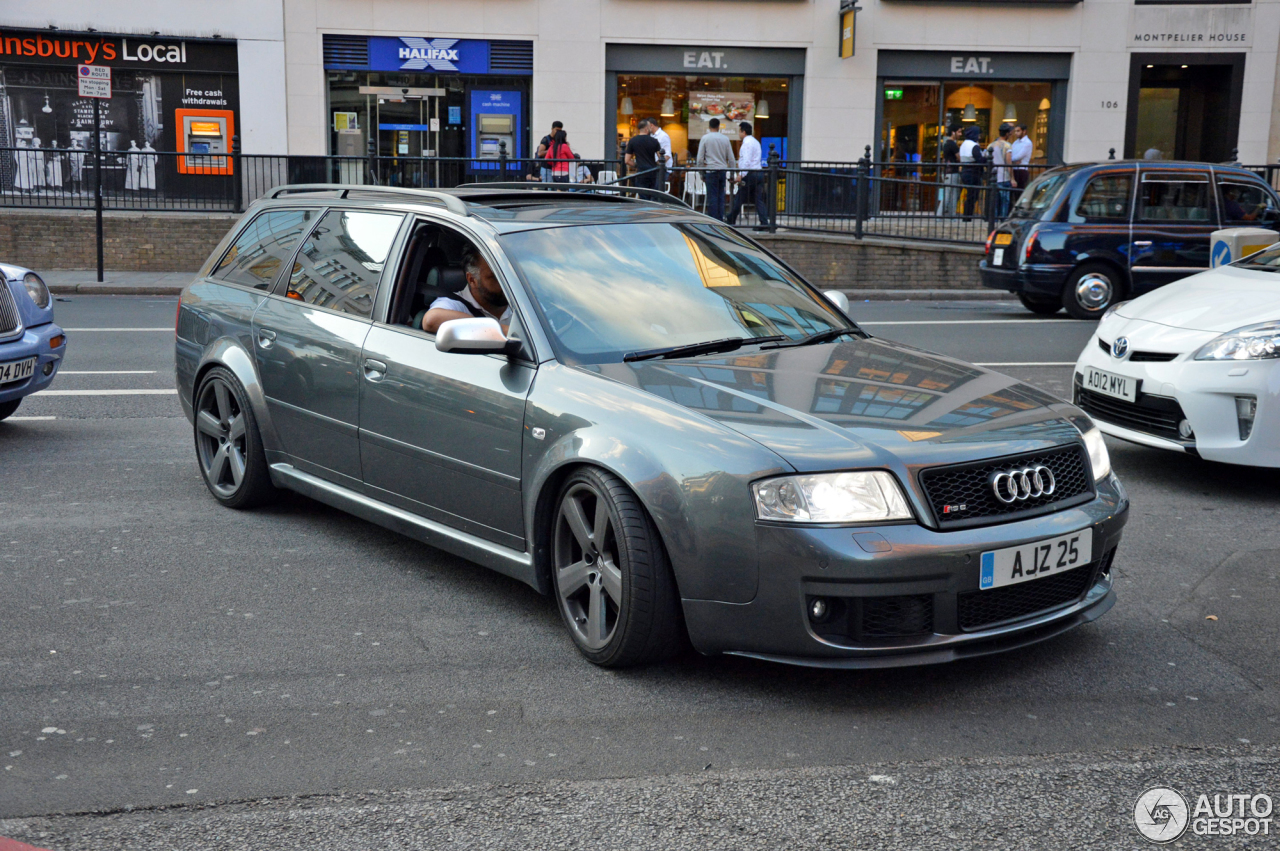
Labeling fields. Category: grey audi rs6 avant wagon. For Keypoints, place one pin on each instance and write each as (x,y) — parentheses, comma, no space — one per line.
(644,414)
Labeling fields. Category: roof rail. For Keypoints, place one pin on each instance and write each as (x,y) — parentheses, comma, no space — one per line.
(451,202)
(613,190)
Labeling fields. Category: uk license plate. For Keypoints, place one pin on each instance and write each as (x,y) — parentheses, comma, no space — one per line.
(1004,239)
(1110,384)
(997,257)
(17,370)
(1032,561)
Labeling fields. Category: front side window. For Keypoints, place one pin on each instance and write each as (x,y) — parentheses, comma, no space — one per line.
(341,262)
(1246,203)
(1106,198)
(607,290)
(263,247)
(1175,199)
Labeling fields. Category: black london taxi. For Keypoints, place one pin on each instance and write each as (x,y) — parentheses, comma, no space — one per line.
(1085,237)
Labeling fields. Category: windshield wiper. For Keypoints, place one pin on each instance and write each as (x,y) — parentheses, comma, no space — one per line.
(820,337)
(728,344)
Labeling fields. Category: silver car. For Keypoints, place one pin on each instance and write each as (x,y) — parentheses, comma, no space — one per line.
(640,412)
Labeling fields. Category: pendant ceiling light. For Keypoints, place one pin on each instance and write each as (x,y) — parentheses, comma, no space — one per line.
(627,108)
(762,108)
(668,108)
(1044,103)
(1010,112)
(970,113)
(46,109)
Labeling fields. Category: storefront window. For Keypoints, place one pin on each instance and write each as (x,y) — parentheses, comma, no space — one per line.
(684,105)
(915,113)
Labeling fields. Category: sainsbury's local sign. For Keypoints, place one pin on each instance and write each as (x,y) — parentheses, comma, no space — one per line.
(46,47)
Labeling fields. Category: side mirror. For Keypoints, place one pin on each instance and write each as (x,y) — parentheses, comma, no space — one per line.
(839,299)
(479,336)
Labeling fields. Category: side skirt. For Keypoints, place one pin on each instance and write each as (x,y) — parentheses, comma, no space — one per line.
(517,565)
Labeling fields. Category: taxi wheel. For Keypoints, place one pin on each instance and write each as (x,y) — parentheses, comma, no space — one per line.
(613,583)
(7,408)
(228,446)
(1091,289)
(1041,306)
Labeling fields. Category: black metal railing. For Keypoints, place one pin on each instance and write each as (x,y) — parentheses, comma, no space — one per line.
(898,199)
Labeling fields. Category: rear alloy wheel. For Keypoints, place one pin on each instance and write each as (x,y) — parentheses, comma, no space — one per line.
(1090,290)
(228,445)
(7,408)
(1044,307)
(613,583)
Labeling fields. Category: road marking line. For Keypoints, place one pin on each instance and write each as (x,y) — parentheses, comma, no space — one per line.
(163,328)
(105,393)
(107,372)
(973,322)
(1031,363)
(29,419)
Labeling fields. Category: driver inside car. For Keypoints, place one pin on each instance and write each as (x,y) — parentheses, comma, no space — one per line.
(482,297)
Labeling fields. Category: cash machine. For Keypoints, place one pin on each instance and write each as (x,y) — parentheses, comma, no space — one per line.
(495,118)
(205,136)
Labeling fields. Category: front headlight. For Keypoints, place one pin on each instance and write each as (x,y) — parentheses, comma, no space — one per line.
(36,289)
(1099,460)
(863,497)
(1252,342)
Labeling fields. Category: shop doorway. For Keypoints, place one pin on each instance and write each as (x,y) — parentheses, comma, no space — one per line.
(1184,107)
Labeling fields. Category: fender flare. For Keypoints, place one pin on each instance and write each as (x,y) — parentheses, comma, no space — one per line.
(230,353)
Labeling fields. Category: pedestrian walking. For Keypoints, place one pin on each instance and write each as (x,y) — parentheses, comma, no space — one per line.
(715,153)
(950,193)
(751,179)
(643,154)
(1021,150)
(544,172)
(559,156)
(971,161)
(1000,153)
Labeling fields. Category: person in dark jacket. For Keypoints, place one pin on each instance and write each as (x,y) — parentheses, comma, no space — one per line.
(971,170)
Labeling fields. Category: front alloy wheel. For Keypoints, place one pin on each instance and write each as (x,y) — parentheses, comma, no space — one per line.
(228,446)
(613,584)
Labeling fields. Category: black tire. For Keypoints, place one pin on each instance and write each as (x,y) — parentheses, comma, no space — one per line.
(1091,289)
(7,408)
(227,441)
(617,595)
(1040,306)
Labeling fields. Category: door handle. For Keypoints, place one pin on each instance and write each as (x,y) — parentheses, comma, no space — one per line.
(1141,243)
(374,370)
(266,337)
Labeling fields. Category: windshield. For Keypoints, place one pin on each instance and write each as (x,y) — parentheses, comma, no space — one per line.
(606,291)
(1268,259)
(1041,193)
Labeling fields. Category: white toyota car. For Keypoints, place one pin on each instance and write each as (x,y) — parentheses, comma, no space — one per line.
(1193,366)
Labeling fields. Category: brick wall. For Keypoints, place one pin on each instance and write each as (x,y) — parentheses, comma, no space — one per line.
(838,262)
(132,242)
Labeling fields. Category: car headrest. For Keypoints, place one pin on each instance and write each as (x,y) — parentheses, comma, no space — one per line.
(446,279)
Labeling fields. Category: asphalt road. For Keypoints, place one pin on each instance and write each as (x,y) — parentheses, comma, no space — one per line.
(293,677)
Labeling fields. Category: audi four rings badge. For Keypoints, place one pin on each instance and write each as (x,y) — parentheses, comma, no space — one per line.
(1012,486)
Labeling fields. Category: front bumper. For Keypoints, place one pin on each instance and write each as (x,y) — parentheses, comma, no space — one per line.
(1203,393)
(33,342)
(927,579)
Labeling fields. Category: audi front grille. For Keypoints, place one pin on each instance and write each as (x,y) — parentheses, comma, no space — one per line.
(962,495)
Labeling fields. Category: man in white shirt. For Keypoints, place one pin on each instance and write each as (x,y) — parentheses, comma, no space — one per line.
(663,139)
(1021,152)
(752,180)
(482,297)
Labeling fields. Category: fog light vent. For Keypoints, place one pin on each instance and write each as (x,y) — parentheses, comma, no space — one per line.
(1184,430)
(1246,410)
(819,609)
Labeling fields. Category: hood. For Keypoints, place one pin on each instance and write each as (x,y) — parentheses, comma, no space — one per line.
(859,403)
(1218,300)
(973,134)
(13,273)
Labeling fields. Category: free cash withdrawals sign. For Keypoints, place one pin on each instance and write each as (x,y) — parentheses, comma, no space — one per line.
(95,81)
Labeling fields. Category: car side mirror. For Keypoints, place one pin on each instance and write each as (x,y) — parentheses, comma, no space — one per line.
(839,299)
(478,336)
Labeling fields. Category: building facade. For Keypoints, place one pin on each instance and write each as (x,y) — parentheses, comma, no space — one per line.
(1168,79)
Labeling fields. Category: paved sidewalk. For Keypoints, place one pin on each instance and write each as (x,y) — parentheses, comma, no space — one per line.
(116,283)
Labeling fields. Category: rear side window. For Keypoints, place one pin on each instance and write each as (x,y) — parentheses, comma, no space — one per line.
(1107,198)
(1175,198)
(1246,203)
(263,248)
(1042,192)
(340,263)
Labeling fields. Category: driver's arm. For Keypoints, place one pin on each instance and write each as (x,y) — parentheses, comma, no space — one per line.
(437,316)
